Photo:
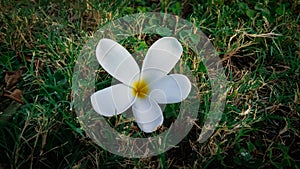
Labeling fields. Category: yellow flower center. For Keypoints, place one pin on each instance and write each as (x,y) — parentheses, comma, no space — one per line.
(140,89)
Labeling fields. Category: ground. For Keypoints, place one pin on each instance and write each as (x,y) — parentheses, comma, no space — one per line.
(258,43)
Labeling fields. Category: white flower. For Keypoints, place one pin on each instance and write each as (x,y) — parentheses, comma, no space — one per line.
(143,90)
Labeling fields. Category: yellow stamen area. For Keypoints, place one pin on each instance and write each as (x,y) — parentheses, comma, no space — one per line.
(140,88)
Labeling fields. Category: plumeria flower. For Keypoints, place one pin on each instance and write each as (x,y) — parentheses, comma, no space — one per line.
(144,89)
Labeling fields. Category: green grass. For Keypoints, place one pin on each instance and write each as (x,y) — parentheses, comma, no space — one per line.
(258,43)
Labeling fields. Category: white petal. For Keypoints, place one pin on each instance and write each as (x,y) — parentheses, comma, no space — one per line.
(152,126)
(161,58)
(146,110)
(117,61)
(112,100)
(170,89)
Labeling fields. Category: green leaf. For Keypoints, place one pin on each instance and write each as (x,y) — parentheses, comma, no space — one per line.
(163,31)
(251,13)
(251,146)
(243,6)
(195,38)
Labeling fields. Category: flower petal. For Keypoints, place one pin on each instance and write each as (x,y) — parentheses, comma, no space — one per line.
(146,110)
(112,100)
(151,126)
(161,58)
(170,89)
(117,61)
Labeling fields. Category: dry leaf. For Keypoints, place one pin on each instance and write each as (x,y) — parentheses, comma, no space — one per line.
(12,77)
(8,112)
(15,95)
(1,90)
